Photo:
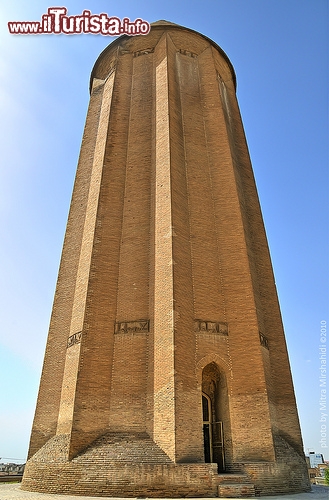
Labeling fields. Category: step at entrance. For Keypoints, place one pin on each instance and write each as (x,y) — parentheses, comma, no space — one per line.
(235,486)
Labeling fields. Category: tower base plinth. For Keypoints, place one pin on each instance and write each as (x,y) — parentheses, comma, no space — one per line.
(132,465)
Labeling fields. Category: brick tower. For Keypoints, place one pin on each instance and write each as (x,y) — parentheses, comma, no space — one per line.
(166,370)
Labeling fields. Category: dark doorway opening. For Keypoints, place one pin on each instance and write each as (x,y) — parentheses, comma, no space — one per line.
(207,430)
(213,434)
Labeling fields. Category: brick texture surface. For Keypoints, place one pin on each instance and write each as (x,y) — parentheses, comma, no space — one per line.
(165,291)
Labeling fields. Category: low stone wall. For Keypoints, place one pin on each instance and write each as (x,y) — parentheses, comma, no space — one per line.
(123,480)
(12,478)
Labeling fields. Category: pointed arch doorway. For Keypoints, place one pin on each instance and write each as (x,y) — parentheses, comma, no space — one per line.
(213,428)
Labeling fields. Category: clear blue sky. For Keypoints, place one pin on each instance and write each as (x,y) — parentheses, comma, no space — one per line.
(279,49)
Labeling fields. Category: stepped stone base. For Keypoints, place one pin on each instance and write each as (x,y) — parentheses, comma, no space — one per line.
(132,465)
(235,486)
(236,491)
(119,465)
(288,474)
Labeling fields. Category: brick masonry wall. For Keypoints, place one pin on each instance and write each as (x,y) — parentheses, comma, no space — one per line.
(119,465)
(130,465)
(286,475)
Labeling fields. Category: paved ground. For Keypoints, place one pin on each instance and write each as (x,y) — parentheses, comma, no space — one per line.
(10,491)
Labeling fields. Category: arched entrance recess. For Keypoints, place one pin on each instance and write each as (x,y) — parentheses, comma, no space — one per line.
(215,413)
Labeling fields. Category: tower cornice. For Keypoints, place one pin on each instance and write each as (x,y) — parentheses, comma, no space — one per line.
(161,25)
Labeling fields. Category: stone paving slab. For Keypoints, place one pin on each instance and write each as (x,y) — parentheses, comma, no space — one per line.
(10,491)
